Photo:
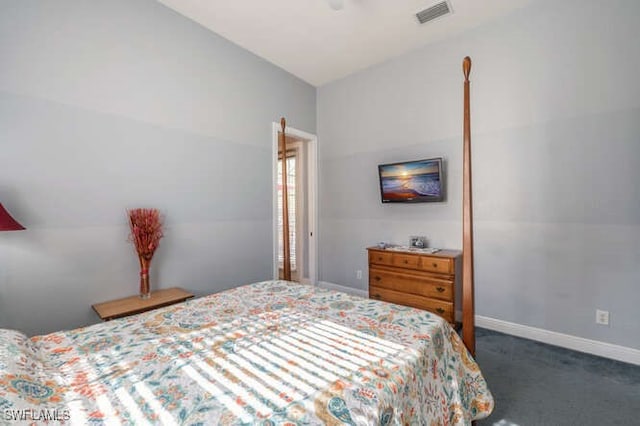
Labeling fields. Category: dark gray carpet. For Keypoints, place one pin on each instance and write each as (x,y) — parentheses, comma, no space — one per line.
(538,384)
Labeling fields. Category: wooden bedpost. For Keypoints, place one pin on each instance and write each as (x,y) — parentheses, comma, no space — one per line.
(468,308)
(286,251)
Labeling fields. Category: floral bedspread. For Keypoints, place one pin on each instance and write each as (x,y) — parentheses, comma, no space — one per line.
(270,353)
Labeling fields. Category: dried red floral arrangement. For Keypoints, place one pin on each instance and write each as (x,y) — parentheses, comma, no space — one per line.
(146,232)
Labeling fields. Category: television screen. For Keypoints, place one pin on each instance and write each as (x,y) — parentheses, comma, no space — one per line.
(412,181)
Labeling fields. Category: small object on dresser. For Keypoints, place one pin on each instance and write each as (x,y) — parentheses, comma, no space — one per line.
(382,245)
(417,242)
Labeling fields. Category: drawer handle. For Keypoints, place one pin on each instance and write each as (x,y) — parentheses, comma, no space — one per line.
(380,258)
(406,261)
(440,289)
(440,311)
(378,278)
(435,265)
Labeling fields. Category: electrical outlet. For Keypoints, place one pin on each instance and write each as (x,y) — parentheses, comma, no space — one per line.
(359,274)
(602,317)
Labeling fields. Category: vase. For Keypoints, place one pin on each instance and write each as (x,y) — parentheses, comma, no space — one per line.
(145,287)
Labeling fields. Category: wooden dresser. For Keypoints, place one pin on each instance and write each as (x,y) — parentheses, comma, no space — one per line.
(421,280)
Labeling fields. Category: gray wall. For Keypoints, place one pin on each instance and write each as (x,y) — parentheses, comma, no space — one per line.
(556,152)
(112,105)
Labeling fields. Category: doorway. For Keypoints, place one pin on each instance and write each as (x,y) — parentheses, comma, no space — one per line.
(301,158)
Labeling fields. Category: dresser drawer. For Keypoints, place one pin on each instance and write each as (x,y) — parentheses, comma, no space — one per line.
(380,258)
(409,283)
(439,307)
(406,260)
(436,264)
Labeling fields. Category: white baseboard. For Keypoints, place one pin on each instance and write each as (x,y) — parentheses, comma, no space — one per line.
(343,289)
(606,350)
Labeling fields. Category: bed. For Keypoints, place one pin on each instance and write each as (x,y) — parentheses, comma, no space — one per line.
(269,353)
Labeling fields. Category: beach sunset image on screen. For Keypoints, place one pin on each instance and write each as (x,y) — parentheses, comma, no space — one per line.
(413,181)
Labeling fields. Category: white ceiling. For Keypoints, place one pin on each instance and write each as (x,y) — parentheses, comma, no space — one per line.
(318,44)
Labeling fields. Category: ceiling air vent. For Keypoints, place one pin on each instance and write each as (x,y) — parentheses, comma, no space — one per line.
(433,12)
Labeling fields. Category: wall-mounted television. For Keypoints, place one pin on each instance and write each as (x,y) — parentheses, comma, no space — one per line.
(412,181)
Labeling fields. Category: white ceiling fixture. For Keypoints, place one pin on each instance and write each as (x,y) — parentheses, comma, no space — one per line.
(313,42)
(336,4)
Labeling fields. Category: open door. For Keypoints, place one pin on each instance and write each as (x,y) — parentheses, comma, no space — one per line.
(300,204)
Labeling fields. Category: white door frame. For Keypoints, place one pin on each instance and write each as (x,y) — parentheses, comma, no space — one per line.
(312,180)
